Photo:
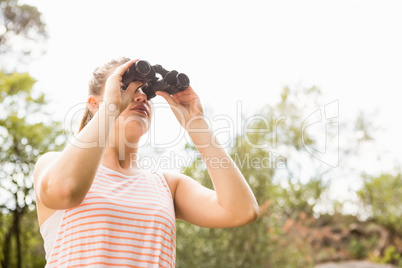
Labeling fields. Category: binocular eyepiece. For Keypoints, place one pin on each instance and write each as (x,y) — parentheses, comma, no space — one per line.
(170,81)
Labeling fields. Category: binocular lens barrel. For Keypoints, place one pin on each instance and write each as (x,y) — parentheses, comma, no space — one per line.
(182,81)
(138,71)
(170,81)
(143,67)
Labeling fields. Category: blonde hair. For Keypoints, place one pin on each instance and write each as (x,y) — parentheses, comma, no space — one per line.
(96,85)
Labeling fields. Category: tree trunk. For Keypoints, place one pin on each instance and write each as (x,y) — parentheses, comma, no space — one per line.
(6,247)
(13,231)
(17,215)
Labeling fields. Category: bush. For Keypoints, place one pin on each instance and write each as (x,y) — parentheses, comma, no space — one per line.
(382,198)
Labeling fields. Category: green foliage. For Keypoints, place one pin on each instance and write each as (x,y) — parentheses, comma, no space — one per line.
(391,255)
(31,241)
(276,183)
(382,197)
(23,138)
(290,232)
(19,23)
(25,134)
(15,83)
(357,249)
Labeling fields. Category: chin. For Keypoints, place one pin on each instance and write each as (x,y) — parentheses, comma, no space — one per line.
(140,127)
(134,126)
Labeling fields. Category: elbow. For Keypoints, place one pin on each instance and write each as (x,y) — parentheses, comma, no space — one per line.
(71,198)
(54,187)
(59,196)
(254,213)
(75,198)
(247,216)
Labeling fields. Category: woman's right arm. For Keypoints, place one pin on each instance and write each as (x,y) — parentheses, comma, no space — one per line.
(63,179)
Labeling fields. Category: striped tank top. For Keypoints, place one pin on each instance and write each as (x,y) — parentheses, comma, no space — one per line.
(124,221)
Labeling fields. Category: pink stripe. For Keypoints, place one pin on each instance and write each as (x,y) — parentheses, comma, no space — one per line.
(118,211)
(143,179)
(132,198)
(171,234)
(136,191)
(136,183)
(133,192)
(140,204)
(132,207)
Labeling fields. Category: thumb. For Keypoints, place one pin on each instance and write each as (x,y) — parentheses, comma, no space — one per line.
(137,84)
(132,88)
(167,97)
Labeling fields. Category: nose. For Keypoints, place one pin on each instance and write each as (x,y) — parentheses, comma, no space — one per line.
(140,96)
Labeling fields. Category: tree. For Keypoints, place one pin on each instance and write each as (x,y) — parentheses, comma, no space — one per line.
(21,26)
(274,162)
(280,154)
(25,131)
(381,196)
(25,134)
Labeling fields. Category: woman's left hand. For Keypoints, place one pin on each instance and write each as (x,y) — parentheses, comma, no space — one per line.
(186,106)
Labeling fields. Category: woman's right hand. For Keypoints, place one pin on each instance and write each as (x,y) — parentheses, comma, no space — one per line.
(114,94)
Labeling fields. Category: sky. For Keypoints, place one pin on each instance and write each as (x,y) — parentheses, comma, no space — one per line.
(236,52)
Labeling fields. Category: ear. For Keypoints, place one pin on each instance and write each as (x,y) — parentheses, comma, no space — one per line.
(93,103)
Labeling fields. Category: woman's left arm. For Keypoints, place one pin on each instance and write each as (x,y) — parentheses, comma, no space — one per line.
(232,203)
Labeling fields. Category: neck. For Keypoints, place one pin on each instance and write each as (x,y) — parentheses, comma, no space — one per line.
(121,154)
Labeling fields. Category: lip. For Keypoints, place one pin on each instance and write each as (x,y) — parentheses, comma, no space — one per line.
(140,109)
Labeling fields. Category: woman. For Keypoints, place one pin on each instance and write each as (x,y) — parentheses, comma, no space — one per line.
(97,208)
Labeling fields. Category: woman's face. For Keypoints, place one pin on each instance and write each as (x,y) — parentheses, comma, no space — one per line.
(136,118)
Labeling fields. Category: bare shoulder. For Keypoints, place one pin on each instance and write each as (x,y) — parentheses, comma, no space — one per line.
(173,179)
(172,176)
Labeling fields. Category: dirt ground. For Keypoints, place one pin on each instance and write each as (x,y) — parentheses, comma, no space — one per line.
(354,264)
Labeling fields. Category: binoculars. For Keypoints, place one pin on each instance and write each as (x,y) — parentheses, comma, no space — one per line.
(169,81)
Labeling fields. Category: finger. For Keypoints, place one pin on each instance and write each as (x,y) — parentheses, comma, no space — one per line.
(188,90)
(137,84)
(131,89)
(124,67)
(167,97)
